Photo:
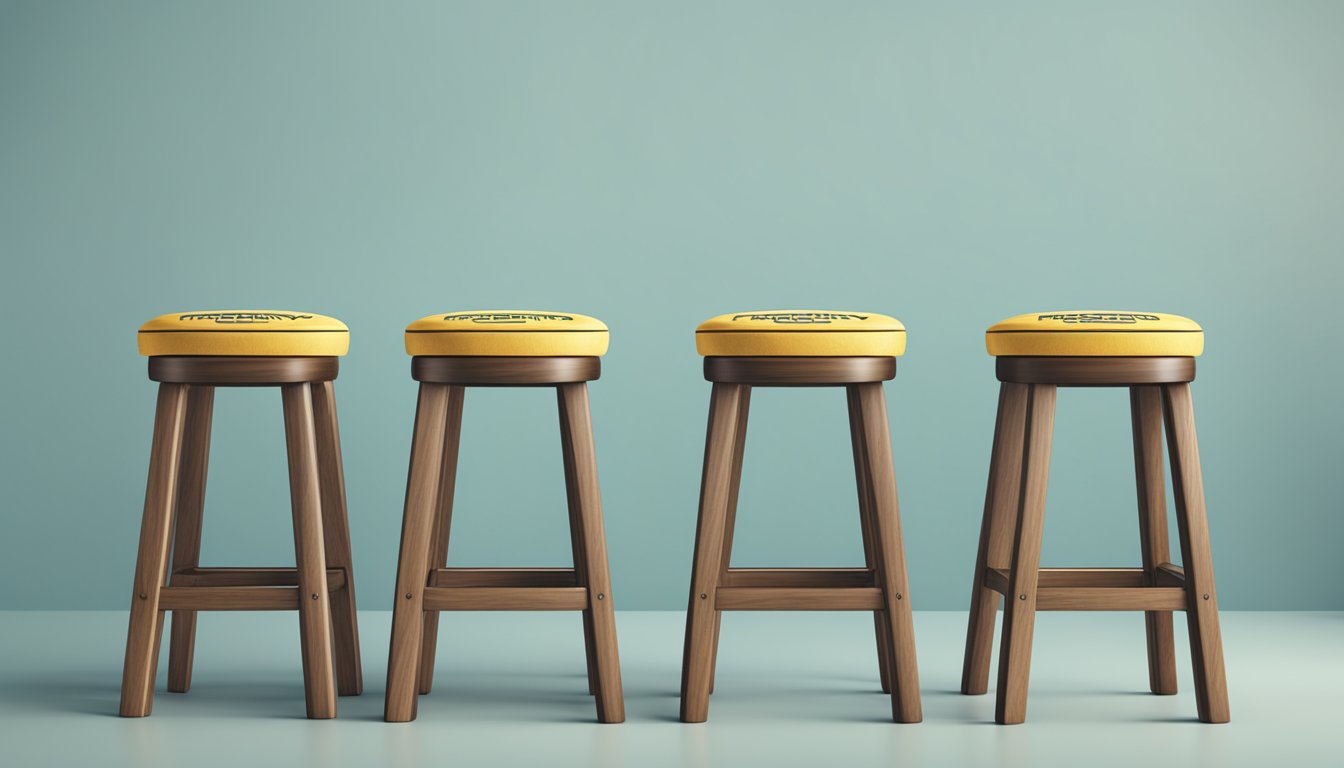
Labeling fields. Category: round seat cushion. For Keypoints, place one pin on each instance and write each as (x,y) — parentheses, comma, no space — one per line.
(1095,334)
(801,333)
(508,333)
(246,333)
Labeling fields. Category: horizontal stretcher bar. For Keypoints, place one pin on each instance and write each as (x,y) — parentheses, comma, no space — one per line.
(798,577)
(1101,589)
(504,577)
(457,598)
(776,598)
(229,598)
(248,577)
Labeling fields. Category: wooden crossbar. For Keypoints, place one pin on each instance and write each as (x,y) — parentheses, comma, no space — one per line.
(248,577)
(798,577)
(229,598)
(1101,589)
(774,598)
(506,598)
(503,577)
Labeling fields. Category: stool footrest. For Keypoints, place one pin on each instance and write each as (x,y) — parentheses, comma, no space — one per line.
(229,598)
(504,577)
(1101,589)
(248,577)
(778,598)
(798,577)
(505,598)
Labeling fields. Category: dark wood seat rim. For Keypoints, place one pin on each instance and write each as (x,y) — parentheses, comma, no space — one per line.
(487,371)
(231,371)
(1095,371)
(799,371)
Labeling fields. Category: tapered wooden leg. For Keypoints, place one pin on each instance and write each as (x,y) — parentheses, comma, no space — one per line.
(187,528)
(1206,644)
(1019,612)
(996,534)
(1145,407)
(730,520)
(715,483)
(601,617)
(889,553)
(576,540)
(305,492)
(151,565)
(336,534)
(438,556)
(864,485)
(417,526)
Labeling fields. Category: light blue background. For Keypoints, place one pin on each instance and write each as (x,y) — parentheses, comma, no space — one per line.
(654,164)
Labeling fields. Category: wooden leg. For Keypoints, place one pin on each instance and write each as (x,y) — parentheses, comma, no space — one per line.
(417,525)
(1206,644)
(1019,612)
(438,556)
(305,492)
(600,616)
(187,530)
(889,553)
(864,485)
(996,534)
(1145,407)
(576,540)
(730,520)
(715,483)
(336,534)
(151,565)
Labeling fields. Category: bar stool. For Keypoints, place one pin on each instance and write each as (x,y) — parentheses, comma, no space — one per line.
(854,350)
(499,349)
(1154,356)
(190,354)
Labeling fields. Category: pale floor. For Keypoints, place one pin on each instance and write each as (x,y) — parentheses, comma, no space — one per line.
(794,689)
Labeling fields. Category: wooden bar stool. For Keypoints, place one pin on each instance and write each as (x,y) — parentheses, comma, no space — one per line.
(189,355)
(1154,356)
(854,350)
(499,349)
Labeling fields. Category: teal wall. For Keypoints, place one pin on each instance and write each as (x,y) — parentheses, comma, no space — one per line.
(654,164)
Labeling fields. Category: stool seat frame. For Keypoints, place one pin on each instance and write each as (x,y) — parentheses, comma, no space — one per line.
(1008,560)
(880,586)
(427,586)
(321,587)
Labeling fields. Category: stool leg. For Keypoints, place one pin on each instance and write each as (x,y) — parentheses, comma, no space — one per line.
(305,493)
(890,553)
(1019,612)
(336,535)
(884,644)
(187,530)
(600,615)
(576,545)
(730,520)
(146,623)
(996,533)
(417,525)
(715,483)
(438,556)
(1206,644)
(1145,406)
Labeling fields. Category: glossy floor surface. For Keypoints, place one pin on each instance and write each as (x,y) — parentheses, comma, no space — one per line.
(793,689)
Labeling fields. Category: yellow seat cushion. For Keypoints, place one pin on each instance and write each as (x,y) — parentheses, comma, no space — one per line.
(244,332)
(1096,334)
(801,333)
(508,333)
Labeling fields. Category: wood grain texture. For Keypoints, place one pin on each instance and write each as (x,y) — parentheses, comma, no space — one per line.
(336,540)
(716,479)
(1206,645)
(230,598)
(730,521)
(309,552)
(242,371)
(799,371)
(504,577)
(829,578)
(505,371)
(881,627)
(585,492)
(1019,613)
(443,520)
(1145,408)
(507,599)
(146,620)
(997,527)
(889,553)
(799,599)
(576,543)
(187,528)
(1095,371)
(413,566)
